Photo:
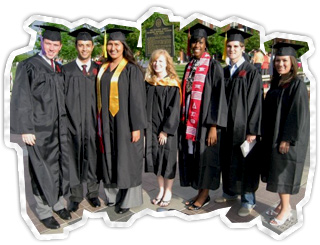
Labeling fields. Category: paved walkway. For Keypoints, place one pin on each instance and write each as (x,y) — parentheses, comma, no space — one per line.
(264,199)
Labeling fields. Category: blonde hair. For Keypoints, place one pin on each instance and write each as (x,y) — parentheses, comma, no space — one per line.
(150,73)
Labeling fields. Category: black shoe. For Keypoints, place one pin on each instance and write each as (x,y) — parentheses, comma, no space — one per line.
(190,202)
(73,206)
(94,202)
(63,214)
(122,210)
(50,223)
(195,207)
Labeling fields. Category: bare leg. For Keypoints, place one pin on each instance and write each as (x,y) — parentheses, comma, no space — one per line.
(161,190)
(167,192)
(284,213)
(285,205)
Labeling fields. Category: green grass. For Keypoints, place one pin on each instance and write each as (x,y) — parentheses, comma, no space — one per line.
(180,70)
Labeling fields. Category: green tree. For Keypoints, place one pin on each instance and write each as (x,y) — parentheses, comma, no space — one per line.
(21,57)
(302,50)
(216,44)
(253,42)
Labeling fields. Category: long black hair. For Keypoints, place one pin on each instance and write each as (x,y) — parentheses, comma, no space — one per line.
(128,55)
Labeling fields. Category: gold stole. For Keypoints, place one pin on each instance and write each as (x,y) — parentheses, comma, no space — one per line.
(167,81)
(114,93)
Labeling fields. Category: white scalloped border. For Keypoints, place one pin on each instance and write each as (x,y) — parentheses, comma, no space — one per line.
(137,24)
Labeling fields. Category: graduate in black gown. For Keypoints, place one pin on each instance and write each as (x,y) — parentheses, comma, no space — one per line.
(122,111)
(286,130)
(163,112)
(80,80)
(204,112)
(240,175)
(37,112)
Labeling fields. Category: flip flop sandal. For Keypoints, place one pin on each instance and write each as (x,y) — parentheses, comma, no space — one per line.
(164,203)
(271,212)
(156,201)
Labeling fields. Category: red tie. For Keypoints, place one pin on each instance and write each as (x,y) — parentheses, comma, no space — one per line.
(84,70)
(52,64)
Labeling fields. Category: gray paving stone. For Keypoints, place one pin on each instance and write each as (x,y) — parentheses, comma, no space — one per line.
(265,201)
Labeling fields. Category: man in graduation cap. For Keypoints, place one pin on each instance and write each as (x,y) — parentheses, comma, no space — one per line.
(80,79)
(38,114)
(204,112)
(240,175)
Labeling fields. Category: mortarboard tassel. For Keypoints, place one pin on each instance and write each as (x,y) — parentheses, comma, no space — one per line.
(224,56)
(41,42)
(105,55)
(42,48)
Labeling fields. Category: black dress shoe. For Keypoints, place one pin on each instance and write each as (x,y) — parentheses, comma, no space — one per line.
(50,223)
(73,206)
(63,214)
(122,210)
(94,202)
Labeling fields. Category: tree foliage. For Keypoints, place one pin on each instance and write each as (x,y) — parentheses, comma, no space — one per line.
(252,42)
(21,57)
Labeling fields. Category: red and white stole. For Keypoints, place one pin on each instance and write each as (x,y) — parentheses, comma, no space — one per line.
(196,96)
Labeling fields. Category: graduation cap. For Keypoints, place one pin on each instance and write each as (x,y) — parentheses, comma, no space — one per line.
(236,35)
(118,34)
(287,49)
(199,31)
(84,34)
(51,32)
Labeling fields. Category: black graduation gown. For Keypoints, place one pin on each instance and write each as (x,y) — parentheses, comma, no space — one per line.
(203,171)
(123,161)
(82,123)
(163,113)
(244,94)
(38,107)
(286,117)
